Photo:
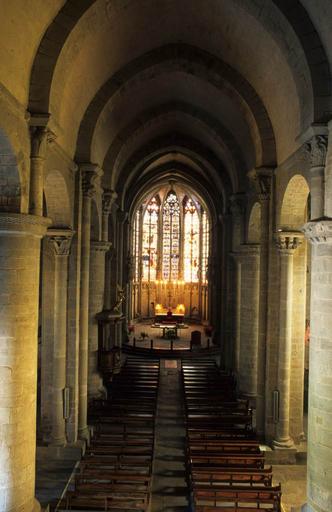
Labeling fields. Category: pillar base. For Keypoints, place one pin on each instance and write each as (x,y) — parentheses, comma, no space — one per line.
(58,442)
(36,506)
(84,433)
(284,444)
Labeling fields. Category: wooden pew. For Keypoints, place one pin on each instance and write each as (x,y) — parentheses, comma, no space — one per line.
(237,496)
(232,476)
(228,459)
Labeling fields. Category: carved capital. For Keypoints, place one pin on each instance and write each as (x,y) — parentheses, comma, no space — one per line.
(316,148)
(288,241)
(60,241)
(91,174)
(319,231)
(40,134)
(100,246)
(109,197)
(261,180)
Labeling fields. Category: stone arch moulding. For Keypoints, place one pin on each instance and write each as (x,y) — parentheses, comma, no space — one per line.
(294,203)
(149,185)
(57,199)
(10,183)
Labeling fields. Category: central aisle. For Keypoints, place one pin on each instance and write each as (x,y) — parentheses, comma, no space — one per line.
(169,487)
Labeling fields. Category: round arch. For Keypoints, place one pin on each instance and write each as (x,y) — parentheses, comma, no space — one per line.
(57,199)
(293,212)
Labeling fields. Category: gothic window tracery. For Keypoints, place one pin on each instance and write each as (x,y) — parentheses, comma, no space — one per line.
(171,237)
(150,241)
(170,240)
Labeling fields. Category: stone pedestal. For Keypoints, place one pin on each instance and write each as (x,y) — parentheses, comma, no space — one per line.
(287,242)
(319,490)
(19,292)
(96,302)
(250,254)
(59,241)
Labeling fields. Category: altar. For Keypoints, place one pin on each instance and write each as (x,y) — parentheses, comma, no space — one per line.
(169,315)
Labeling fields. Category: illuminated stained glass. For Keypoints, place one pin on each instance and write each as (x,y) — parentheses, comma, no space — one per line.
(150,241)
(171,237)
(191,242)
(136,245)
(205,246)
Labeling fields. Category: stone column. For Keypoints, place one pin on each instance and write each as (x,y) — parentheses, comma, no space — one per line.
(287,243)
(237,311)
(109,197)
(122,218)
(250,254)
(319,484)
(19,293)
(40,136)
(237,208)
(96,303)
(90,174)
(60,241)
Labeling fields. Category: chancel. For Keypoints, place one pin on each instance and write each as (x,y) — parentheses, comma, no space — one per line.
(165,255)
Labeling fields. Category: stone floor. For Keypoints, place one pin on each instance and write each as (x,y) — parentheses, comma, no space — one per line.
(169,488)
(54,468)
(293,481)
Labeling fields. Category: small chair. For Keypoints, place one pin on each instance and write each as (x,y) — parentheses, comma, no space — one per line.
(196,338)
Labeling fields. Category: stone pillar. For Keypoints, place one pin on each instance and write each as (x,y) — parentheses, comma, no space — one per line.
(250,254)
(237,208)
(287,242)
(109,197)
(90,174)
(96,303)
(317,148)
(262,179)
(122,218)
(60,241)
(40,136)
(319,483)
(237,312)
(19,293)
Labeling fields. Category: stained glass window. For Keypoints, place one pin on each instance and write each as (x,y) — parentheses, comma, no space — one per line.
(136,245)
(205,246)
(171,237)
(150,241)
(191,242)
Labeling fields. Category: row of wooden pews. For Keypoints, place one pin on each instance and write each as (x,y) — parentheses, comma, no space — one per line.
(226,469)
(116,470)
